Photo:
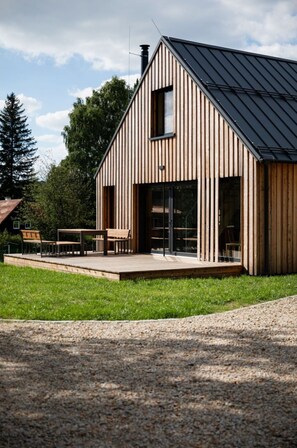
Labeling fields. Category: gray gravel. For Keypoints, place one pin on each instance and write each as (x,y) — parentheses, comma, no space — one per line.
(225,380)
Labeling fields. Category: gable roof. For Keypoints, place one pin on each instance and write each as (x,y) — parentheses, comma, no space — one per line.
(256,94)
(7,207)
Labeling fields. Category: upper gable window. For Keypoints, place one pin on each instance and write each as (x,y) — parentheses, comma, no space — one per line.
(162,112)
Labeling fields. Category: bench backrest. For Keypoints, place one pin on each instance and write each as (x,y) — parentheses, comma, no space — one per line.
(118,233)
(30,235)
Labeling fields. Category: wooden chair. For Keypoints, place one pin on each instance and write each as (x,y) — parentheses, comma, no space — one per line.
(119,237)
(231,243)
(33,237)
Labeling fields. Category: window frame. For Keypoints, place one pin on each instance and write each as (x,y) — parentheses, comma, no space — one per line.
(158,114)
(16,224)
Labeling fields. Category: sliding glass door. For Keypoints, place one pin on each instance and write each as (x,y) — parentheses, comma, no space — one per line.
(229,219)
(172,218)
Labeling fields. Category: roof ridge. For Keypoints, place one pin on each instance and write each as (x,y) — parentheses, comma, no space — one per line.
(228,49)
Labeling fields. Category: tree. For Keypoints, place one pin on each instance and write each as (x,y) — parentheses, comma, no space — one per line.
(92,125)
(58,201)
(17,149)
(66,198)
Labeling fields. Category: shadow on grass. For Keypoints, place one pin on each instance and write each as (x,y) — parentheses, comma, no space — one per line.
(221,388)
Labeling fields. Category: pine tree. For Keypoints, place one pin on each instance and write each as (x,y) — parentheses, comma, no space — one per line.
(17,149)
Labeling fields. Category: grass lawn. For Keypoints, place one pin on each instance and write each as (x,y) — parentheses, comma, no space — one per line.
(27,293)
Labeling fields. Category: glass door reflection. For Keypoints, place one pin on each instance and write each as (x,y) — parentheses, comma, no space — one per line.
(173,218)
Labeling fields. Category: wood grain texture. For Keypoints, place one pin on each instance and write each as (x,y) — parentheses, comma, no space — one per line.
(204,148)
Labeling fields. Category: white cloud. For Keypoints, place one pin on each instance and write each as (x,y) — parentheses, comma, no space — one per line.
(51,150)
(83,93)
(100,35)
(54,120)
(286,51)
(30,104)
(54,153)
(49,138)
(88,91)
(47,158)
(266,26)
(131,79)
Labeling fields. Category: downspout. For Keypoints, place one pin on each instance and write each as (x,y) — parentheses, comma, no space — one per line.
(266,220)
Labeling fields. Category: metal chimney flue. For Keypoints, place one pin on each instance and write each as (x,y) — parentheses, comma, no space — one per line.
(144,57)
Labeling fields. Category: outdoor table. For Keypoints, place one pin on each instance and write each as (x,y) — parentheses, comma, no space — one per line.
(82,233)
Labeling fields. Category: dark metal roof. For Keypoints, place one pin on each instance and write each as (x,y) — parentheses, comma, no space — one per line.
(257,94)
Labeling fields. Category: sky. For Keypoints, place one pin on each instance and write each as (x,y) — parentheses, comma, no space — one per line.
(54,51)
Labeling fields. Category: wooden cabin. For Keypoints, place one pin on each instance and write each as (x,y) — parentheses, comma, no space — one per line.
(10,219)
(204,161)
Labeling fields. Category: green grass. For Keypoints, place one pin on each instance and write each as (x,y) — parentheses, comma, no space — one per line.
(27,293)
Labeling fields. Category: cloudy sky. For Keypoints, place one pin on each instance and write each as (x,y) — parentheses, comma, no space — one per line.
(53,51)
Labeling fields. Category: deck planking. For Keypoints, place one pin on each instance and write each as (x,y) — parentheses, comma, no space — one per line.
(128,267)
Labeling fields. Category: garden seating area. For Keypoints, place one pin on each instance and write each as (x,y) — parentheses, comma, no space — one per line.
(118,239)
(33,239)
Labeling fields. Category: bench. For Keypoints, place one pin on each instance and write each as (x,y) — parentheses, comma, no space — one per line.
(120,239)
(47,247)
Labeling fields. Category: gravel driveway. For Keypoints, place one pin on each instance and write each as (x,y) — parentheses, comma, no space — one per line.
(225,380)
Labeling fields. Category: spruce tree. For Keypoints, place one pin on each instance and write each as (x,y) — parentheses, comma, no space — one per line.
(17,149)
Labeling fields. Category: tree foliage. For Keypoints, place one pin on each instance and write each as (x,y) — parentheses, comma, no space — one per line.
(58,201)
(93,123)
(67,197)
(17,149)
(91,128)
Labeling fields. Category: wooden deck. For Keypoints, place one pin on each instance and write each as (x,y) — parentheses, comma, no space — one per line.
(126,267)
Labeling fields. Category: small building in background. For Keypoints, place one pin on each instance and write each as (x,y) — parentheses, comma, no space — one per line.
(10,219)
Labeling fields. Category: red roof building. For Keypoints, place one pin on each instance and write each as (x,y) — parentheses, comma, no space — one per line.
(9,218)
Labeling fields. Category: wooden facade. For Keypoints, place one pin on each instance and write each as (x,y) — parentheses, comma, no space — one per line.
(203,148)
(282,228)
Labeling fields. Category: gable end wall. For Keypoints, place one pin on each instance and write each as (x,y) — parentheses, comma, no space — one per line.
(204,148)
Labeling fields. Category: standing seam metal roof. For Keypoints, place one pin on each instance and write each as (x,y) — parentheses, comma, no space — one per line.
(257,93)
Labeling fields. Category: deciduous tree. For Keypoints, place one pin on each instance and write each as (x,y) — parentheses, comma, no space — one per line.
(57,202)
(66,198)
(93,123)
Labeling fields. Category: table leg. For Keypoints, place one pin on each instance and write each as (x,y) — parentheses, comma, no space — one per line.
(105,243)
(81,245)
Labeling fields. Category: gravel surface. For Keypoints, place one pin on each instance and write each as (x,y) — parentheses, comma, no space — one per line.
(225,380)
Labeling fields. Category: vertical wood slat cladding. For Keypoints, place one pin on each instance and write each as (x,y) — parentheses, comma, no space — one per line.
(283,218)
(204,148)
